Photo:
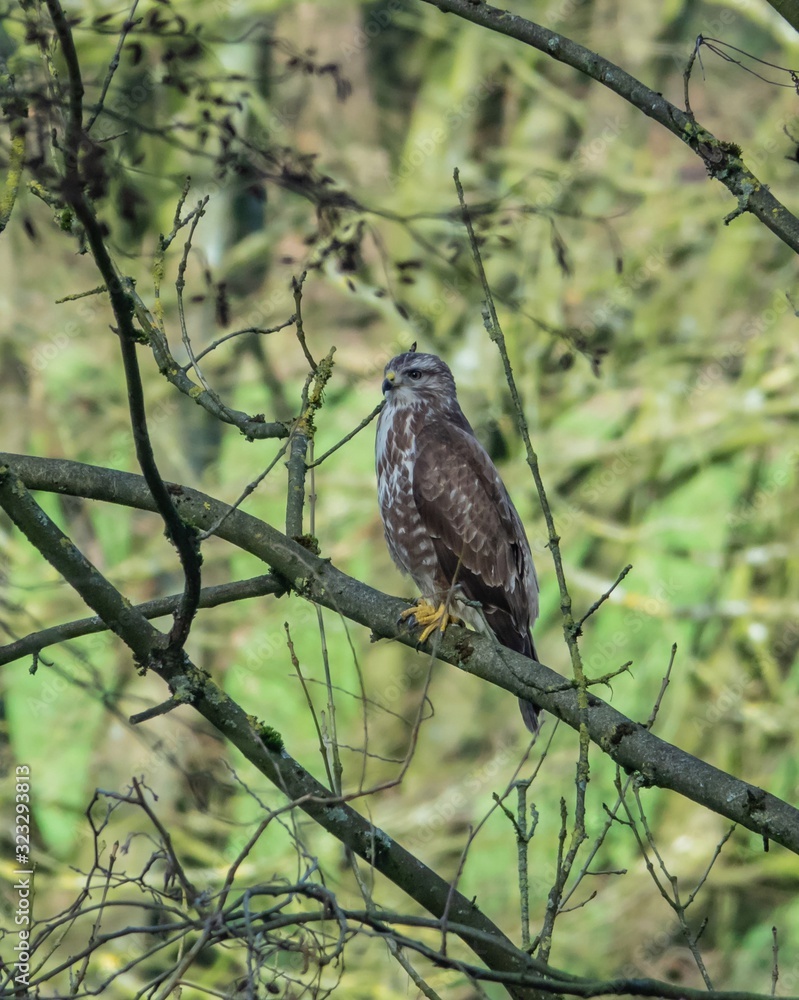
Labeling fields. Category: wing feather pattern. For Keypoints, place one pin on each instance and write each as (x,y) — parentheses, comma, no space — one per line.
(477,534)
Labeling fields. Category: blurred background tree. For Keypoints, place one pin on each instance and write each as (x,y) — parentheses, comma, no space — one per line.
(655,350)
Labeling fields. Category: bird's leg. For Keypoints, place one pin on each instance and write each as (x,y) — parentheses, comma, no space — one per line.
(430,617)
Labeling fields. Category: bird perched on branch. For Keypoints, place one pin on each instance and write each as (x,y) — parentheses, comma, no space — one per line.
(448,519)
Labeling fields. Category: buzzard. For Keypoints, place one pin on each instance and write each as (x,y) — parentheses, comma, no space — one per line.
(448,519)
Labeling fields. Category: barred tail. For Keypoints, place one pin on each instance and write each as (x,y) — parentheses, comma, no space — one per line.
(531,713)
(531,716)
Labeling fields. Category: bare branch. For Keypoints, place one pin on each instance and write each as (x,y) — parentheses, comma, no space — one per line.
(262,745)
(182,536)
(296,287)
(210,597)
(604,597)
(571,629)
(629,743)
(128,24)
(259,330)
(302,433)
(723,160)
(347,437)
(664,684)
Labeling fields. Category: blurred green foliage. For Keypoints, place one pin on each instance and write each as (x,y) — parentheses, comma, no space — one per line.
(656,351)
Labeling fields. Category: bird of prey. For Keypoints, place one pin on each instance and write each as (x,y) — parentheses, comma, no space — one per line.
(448,519)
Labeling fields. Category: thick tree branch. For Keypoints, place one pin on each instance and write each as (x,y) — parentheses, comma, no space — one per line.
(722,159)
(210,597)
(522,976)
(789,9)
(627,742)
(261,744)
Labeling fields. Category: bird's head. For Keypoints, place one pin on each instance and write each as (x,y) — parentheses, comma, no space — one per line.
(414,379)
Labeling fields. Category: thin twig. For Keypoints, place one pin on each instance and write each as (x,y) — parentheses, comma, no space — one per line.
(331,739)
(612,817)
(723,159)
(672,897)
(295,662)
(81,295)
(127,26)
(180,534)
(348,437)
(180,284)
(578,906)
(261,331)
(80,975)
(155,711)
(156,317)
(524,834)
(247,491)
(570,628)
(189,892)
(418,981)
(302,431)
(498,804)
(686,76)
(210,597)
(663,685)
(296,287)
(604,597)
(712,862)
(713,43)
(253,428)
(362,697)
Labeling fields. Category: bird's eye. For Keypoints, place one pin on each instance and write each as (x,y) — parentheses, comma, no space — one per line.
(414,374)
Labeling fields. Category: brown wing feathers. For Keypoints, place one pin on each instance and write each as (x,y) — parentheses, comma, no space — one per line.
(448,519)
(467,512)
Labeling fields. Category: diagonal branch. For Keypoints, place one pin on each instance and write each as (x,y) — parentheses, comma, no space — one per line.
(182,536)
(628,743)
(722,159)
(210,597)
(789,9)
(570,630)
(261,744)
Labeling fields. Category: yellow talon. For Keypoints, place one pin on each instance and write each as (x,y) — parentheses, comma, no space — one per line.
(430,617)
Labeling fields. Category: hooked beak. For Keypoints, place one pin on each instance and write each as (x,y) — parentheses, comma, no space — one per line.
(388,382)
